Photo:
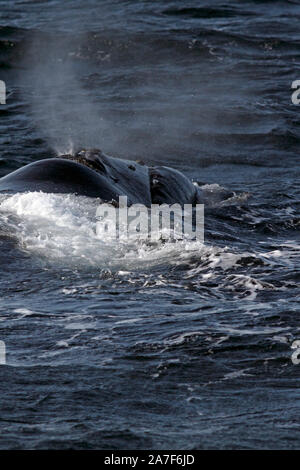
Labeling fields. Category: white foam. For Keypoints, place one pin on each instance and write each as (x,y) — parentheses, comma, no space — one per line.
(62,228)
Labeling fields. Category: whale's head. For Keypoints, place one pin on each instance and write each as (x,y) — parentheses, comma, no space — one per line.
(127,177)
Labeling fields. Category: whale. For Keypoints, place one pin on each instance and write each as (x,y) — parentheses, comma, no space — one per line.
(91,173)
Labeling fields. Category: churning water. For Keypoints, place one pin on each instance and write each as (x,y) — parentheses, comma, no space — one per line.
(125,343)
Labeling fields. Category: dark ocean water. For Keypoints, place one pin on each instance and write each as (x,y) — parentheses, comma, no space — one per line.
(130,345)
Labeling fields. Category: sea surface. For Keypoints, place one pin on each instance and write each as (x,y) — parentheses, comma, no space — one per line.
(126,344)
